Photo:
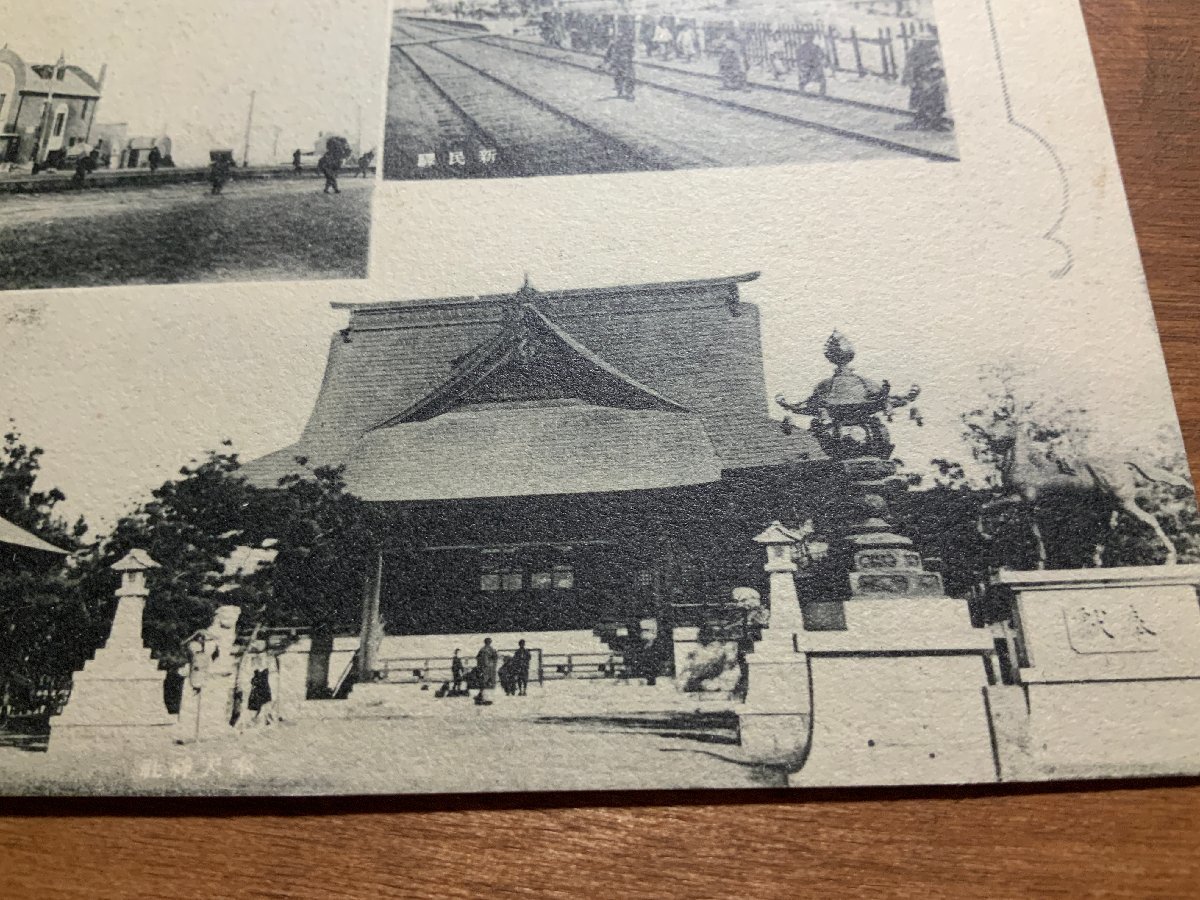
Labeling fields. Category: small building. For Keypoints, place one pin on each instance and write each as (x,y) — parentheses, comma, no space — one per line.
(120,151)
(45,109)
(558,461)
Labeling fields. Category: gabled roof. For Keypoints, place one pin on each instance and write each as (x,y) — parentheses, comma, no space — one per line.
(544,358)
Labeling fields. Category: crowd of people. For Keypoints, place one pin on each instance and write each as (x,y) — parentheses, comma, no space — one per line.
(510,672)
(623,39)
(329,166)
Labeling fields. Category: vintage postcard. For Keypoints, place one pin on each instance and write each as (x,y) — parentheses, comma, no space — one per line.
(809,429)
(157,143)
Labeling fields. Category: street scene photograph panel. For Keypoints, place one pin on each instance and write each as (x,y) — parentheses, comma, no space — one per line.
(223,143)
(517,88)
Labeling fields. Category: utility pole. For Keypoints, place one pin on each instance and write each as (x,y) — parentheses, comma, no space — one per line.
(48,118)
(249,123)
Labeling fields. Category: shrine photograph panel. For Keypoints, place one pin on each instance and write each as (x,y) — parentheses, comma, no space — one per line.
(212,143)
(516,89)
(553,538)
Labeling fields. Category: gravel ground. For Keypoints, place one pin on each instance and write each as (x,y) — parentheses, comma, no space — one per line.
(472,753)
(254,231)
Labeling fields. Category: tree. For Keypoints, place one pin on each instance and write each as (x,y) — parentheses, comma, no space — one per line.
(319,535)
(45,629)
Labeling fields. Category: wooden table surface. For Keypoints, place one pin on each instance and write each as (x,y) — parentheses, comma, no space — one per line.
(1136,839)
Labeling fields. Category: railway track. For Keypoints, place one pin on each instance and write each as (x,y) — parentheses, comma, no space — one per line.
(532,117)
(479,112)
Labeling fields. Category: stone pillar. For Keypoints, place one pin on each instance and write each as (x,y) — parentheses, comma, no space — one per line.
(1108,670)
(372,626)
(774,723)
(117,697)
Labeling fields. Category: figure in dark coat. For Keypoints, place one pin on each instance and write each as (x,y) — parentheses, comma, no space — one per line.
(154,159)
(84,166)
(520,663)
(456,673)
(810,64)
(925,75)
(733,64)
(618,58)
(328,165)
(296,167)
(220,172)
(486,661)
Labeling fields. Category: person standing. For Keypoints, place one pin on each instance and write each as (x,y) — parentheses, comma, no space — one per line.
(521,660)
(220,171)
(154,159)
(456,674)
(296,167)
(925,75)
(732,65)
(486,661)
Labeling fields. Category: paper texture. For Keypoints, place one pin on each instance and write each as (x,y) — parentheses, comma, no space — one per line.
(502,397)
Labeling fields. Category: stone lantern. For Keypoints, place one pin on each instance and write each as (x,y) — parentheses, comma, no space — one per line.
(117,698)
(131,600)
(780,544)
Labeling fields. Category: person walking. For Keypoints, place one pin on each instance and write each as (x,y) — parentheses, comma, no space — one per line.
(296,167)
(364,164)
(618,58)
(328,165)
(520,662)
(486,661)
(685,42)
(154,159)
(810,64)
(85,165)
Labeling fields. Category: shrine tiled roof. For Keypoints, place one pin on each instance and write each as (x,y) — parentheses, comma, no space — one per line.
(558,447)
(16,536)
(688,349)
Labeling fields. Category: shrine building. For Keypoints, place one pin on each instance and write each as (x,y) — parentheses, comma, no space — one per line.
(558,461)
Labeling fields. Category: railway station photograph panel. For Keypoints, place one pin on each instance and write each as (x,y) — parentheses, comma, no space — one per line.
(223,143)
(519,88)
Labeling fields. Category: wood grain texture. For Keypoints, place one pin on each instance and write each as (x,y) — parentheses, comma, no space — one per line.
(1132,840)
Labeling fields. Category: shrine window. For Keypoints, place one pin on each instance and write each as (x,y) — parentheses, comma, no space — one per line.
(512,581)
(564,578)
(643,579)
(489,581)
(541,581)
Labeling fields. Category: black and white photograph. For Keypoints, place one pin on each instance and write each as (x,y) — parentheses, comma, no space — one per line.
(766,484)
(515,88)
(179,142)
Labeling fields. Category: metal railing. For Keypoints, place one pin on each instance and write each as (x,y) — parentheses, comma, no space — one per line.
(38,696)
(542,667)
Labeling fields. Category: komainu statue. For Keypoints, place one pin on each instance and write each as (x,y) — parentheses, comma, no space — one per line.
(1058,492)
